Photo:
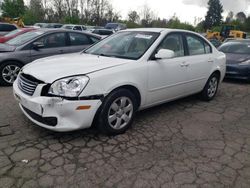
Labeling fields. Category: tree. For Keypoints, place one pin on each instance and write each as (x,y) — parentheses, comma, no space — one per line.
(34,13)
(230,17)
(147,16)
(241,16)
(214,14)
(247,24)
(13,8)
(133,17)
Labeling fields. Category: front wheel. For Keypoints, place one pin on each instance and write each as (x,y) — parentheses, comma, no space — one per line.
(211,88)
(117,112)
(9,72)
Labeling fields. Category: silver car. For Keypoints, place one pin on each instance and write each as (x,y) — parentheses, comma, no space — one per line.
(37,44)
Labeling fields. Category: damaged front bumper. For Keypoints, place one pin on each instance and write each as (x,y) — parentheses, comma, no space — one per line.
(56,113)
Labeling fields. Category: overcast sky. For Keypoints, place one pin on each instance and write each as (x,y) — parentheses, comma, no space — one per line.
(186,10)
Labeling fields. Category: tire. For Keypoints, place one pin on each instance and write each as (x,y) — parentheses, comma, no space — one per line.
(211,88)
(117,112)
(8,72)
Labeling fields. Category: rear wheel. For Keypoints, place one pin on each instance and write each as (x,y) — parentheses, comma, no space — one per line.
(117,112)
(9,71)
(211,88)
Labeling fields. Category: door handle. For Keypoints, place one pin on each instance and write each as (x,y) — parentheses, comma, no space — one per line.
(61,51)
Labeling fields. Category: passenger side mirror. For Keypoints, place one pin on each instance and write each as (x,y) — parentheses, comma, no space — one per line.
(38,45)
(164,54)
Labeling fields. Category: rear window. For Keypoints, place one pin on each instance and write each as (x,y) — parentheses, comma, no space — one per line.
(236,48)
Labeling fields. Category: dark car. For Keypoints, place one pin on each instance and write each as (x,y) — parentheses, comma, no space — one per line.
(37,44)
(6,28)
(238,59)
(103,32)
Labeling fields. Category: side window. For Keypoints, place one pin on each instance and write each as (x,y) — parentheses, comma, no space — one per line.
(78,28)
(197,46)
(77,39)
(53,40)
(208,48)
(173,42)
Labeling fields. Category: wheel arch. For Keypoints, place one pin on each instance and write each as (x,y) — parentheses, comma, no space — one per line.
(132,89)
(218,72)
(12,60)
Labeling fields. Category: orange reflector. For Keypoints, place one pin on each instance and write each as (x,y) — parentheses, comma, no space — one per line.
(83,107)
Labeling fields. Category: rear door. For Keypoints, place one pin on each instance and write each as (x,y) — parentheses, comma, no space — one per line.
(53,44)
(199,62)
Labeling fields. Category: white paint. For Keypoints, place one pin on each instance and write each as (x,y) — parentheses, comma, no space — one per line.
(158,81)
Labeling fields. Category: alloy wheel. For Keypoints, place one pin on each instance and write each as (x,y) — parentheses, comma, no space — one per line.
(120,113)
(212,87)
(10,72)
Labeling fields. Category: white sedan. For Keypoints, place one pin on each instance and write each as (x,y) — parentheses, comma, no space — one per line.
(107,83)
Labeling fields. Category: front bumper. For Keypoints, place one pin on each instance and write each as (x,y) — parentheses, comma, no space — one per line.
(56,113)
(238,72)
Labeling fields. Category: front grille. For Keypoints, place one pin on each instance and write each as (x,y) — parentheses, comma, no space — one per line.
(27,84)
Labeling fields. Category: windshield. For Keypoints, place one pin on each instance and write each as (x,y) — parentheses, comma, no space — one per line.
(22,39)
(127,45)
(236,48)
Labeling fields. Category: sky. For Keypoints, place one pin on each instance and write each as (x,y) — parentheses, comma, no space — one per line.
(186,10)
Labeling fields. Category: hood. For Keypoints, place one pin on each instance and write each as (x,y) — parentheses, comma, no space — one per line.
(56,67)
(236,58)
(7,48)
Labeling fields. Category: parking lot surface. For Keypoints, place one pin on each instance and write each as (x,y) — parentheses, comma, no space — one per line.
(188,143)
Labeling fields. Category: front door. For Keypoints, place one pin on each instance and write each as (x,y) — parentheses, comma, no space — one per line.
(167,77)
(52,44)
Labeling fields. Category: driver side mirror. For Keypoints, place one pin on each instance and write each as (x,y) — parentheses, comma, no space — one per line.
(164,54)
(38,45)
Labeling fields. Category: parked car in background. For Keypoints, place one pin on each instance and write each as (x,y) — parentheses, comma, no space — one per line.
(103,32)
(41,25)
(115,26)
(92,28)
(74,27)
(48,25)
(6,28)
(37,44)
(238,59)
(14,33)
(107,83)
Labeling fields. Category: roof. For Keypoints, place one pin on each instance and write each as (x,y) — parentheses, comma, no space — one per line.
(51,30)
(157,30)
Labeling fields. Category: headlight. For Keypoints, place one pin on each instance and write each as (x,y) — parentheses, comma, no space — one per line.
(69,87)
(247,62)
